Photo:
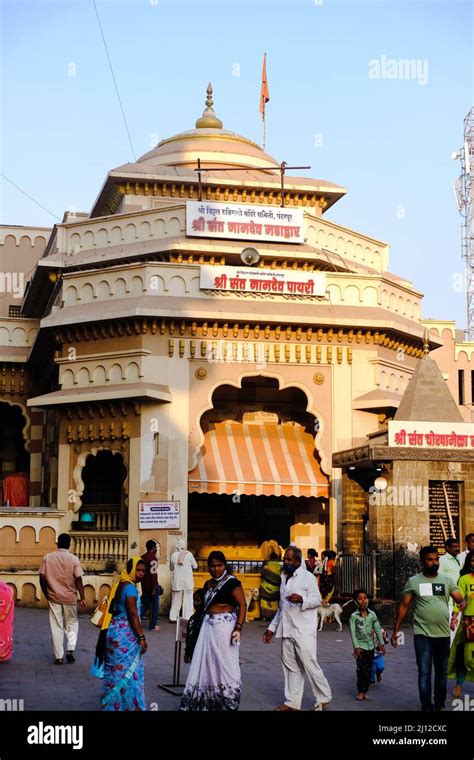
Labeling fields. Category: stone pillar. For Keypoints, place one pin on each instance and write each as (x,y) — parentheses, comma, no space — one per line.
(133,497)
(66,486)
(36,448)
(353,507)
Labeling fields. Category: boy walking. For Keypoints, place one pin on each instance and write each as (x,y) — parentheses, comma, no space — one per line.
(363,624)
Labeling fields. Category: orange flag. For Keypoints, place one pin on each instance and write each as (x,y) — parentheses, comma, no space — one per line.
(264,93)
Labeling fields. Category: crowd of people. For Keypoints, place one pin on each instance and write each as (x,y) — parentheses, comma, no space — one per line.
(442,596)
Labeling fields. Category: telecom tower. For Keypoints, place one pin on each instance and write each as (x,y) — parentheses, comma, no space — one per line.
(463,188)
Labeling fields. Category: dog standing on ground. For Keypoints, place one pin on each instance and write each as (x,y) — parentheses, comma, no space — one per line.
(333,611)
(251,596)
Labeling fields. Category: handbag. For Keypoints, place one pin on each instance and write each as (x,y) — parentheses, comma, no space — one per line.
(99,613)
(468,628)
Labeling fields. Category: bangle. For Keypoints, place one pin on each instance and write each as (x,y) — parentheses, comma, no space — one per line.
(142,637)
(238,627)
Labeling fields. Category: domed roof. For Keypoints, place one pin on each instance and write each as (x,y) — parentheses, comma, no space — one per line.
(209,142)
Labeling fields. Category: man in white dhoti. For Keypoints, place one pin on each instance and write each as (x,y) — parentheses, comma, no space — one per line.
(296,623)
(182,564)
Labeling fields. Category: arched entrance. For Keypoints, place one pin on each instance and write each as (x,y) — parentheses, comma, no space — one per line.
(14,458)
(258,475)
(103,476)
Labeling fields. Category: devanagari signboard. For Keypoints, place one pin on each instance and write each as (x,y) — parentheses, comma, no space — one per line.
(256,280)
(158,514)
(431,435)
(443,511)
(237,222)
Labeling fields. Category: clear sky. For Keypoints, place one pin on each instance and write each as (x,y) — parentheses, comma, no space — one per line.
(340,101)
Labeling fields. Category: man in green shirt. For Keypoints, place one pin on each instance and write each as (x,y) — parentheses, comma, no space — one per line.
(431,592)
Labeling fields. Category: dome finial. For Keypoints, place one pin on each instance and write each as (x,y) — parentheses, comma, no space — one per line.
(209,119)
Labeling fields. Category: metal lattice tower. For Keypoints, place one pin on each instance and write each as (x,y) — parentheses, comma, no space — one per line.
(464,192)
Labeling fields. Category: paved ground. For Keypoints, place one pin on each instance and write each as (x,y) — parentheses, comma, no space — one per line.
(32,676)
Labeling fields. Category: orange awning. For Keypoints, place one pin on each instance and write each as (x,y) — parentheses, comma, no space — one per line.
(258,458)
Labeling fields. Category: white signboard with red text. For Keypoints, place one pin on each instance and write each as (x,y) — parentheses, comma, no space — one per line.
(237,222)
(255,280)
(431,435)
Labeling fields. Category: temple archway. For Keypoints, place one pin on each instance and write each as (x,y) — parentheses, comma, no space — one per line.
(257,475)
(103,475)
(14,457)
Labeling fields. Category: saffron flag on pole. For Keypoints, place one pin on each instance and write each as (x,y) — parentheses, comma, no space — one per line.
(264,93)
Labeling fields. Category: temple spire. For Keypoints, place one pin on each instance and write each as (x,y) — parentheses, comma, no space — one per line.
(209,120)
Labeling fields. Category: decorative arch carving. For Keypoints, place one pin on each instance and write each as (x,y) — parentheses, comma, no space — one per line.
(198,441)
(177,286)
(83,377)
(70,295)
(74,243)
(67,379)
(81,463)
(87,293)
(370,296)
(88,241)
(115,374)
(130,232)
(26,430)
(120,287)
(102,236)
(103,289)
(174,226)
(136,285)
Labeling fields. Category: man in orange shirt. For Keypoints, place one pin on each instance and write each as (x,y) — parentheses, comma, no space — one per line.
(60,580)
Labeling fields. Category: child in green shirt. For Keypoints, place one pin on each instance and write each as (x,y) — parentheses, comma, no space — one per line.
(363,623)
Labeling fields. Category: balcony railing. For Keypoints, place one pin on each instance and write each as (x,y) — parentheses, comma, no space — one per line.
(95,547)
(103,520)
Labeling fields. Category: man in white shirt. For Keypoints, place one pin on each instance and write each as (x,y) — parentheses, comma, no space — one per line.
(182,564)
(448,563)
(295,623)
(450,567)
(469,540)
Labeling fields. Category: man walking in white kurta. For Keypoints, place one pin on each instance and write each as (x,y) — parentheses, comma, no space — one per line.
(295,623)
(182,564)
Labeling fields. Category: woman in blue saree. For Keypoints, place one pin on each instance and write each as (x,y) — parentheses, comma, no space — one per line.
(121,645)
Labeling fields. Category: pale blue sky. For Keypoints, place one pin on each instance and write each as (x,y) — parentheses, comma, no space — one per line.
(389,141)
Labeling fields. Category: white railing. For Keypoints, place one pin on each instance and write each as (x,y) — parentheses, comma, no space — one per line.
(94,547)
(107,520)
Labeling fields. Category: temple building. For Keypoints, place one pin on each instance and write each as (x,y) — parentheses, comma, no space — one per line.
(196,357)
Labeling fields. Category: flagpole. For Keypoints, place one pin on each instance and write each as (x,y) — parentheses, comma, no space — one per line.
(264,97)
